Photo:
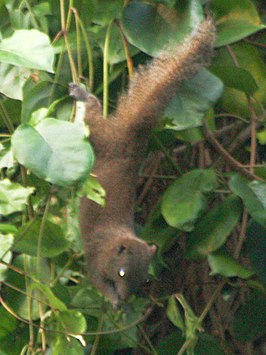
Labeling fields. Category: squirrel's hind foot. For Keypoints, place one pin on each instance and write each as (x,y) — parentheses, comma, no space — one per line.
(78,93)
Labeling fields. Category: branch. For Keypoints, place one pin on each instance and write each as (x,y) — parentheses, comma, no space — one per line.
(235,164)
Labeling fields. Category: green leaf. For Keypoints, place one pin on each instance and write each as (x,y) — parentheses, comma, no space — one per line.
(87,298)
(12,80)
(250,59)
(261,171)
(6,158)
(53,301)
(3,15)
(192,322)
(262,136)
(116,48)
(106,11)
(16,298)
(67,346)
(256,246)
(259,189)
(253,195)
(6,242)
(73,321)
(174,315)
(13,108)
(192,101)
(237,78)
(151,28)
(208,345)
(157,231)
(8,323)
(185,199)
(28,48)
(93,190)
(235,20)
(53,240)
(54,150)
(38,95)
(214,228)
(249,322)
(224,264)
(7,228)
(18,17)
(190,135)
(171,344)
(13,197)
(10,347)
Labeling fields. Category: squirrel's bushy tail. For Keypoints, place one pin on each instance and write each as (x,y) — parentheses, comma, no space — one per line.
(153,86)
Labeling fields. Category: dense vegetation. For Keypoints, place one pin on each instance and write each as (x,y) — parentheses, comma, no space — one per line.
(201,192)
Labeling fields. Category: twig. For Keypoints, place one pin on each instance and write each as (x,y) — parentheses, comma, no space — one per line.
(103,332)
(235,164)
(206,310)
(105,71)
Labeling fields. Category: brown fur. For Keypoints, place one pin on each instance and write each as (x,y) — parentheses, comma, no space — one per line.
(120,143)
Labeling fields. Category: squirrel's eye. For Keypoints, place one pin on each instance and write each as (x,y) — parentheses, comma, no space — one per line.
(122,272)
(147,281)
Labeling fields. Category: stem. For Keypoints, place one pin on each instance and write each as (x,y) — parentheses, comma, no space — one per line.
(38,269)
(41,233)
(30,209)
(148,341)
(167,155)
(253,129)
(126,48)
(63,15)
(28,295)
(78,43)
(105,71)
(235,164)
(65,26)
(242,234)
(88,48)
(34,21)
(6,118)
(54,331)
(67,265)
(206,310)
(253,118)
(97,337)
(29,302)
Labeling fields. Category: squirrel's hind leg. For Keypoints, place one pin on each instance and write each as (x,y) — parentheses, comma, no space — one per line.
(93,107)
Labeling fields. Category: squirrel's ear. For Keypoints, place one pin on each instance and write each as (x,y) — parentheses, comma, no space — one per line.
(152,249)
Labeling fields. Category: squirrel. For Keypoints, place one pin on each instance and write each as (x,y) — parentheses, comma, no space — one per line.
(117,260)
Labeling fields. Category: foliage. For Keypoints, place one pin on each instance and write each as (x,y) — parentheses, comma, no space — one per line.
(209,222)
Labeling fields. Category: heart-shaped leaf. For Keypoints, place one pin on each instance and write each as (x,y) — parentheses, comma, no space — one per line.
(185,199)
(29,49)
(253,195)
(214,228)
(13,197)
(53,240)
(224,264)
(150,28)
(54,150)
(256,246)
(192,101)
(235,20)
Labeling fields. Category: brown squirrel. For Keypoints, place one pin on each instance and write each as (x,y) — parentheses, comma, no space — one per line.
(117,259)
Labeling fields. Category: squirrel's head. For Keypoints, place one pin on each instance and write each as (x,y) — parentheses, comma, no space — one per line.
(128,267)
